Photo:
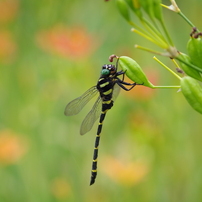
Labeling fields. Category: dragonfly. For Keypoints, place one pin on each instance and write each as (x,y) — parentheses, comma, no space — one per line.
(107,87)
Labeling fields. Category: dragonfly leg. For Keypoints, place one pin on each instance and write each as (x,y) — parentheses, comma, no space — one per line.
(127,89)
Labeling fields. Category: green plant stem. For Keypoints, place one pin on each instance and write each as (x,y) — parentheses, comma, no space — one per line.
(136,27)
(186,19)
(147,49)
(149,32)
(166,33)
(174,7)
(165,87)
(151,37)
(166,67)
(154,31)
(160,44)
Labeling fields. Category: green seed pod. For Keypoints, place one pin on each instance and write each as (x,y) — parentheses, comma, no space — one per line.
(147,5)
(134,71)
(192,91)
(194,48)
(135,6)
(123,9)
(188,70)
(157,9)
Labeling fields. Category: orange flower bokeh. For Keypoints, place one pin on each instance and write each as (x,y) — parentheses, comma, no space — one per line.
(7,45)
(72,43)
(12,147)
(8,10)
(128,174)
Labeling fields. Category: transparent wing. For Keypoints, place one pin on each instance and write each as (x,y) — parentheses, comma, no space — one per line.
(116,92)
(94,114)
(76,105)
(91,117)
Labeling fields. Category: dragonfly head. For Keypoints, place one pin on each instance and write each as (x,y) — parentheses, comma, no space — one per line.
(108,70)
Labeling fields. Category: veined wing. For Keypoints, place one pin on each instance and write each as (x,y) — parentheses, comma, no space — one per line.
(91,117)
(94,114)
(116,92)
(76,105)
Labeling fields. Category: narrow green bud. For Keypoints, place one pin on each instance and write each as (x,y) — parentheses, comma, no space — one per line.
(157,10)
(147,5)
(134,71)
(123,9)
(135,6)
(192,91)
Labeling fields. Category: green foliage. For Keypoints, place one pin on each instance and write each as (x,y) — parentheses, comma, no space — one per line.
(191,65)
(50,53)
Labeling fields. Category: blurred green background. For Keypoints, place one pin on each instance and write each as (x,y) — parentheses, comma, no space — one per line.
(50,53)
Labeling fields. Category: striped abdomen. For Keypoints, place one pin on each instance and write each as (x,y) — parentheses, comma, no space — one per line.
(105,87)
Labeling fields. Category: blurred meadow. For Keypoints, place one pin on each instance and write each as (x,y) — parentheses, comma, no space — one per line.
(50,53)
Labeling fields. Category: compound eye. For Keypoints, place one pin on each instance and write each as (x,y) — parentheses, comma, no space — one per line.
(104,67)
(105,72)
